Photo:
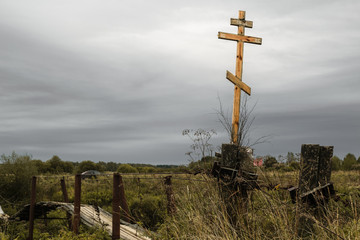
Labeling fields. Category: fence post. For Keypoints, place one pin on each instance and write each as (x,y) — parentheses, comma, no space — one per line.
(32,207)
(116,207)
(66,199)
(77,201)
(123,203)
(171,209)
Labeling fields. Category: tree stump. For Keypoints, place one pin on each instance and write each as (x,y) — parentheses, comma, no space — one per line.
(237,175)
(314,188)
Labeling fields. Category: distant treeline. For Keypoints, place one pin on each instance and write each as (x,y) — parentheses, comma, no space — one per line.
(56,165)
(292,162)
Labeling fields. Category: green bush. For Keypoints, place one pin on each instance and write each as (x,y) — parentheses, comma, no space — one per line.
(348,162)
(294,165)
(335,163)
(56,165)
(270,161)
(15,177)
(98,198)
(87,165)
(126,168)
(202,166)
(150,211)
(147,169)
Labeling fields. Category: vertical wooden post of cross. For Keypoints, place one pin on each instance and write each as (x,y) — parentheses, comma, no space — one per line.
(237,90)
(241,23)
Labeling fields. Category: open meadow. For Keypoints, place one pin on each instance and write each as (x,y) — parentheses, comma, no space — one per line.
(201,211)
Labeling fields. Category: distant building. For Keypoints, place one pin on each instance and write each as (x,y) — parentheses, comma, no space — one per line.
(258,162)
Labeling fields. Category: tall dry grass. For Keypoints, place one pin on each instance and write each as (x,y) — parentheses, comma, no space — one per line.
(202,213)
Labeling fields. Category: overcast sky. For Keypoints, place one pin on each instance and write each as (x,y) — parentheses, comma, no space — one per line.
(120,80)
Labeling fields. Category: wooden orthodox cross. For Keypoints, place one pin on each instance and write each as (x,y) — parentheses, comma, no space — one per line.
(237,79)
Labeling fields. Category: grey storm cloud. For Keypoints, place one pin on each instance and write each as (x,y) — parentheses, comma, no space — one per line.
(120,80)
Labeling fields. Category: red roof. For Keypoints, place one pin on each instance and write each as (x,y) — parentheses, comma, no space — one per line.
(258,162)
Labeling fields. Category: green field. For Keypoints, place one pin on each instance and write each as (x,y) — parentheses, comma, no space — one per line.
(201,211)
(204,208)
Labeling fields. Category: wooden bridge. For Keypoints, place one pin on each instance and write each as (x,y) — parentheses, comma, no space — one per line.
(91,216)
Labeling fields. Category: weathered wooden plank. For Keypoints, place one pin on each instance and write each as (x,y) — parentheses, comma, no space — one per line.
(237,81)
(309,164)
(229,155)
(324,172)
(241,22)
(235,37)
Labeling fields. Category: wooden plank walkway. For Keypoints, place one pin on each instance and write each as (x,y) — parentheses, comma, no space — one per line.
(90,215)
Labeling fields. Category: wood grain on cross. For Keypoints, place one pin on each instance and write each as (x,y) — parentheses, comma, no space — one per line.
(241,23)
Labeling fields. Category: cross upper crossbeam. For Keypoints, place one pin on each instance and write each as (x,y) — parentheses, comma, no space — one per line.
(241,23)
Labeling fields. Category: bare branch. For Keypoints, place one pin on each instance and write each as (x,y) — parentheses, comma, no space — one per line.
(245,123)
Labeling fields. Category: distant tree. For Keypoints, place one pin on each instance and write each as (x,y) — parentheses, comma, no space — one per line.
(349,161)
(101,165)
(111,166)
(281,159)
(270,161)
(41,166)
(56,165)
(87,165)
(15,177)
(358,160)
(126,168)
(68,167)
(292,157)
(335,163)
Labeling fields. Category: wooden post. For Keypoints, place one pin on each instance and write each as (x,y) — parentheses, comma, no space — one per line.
(116,207)
(308,179)
(171,208)
(315,167)
(66,199)
(77,201)
(32,207)
(123,203)
(314,188)
(309,164)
